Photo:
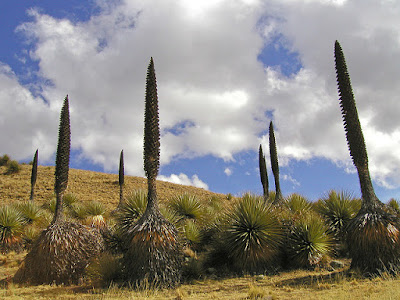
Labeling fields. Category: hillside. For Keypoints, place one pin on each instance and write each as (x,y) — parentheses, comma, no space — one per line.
(87,186)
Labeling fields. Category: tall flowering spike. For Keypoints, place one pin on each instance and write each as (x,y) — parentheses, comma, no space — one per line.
(354,135)
(263,172)
(62,158)
(121,179)
(274,163)
(352,126)
(34,174)
(151,127)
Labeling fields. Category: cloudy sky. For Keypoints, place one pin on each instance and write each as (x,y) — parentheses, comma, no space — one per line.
(225,69)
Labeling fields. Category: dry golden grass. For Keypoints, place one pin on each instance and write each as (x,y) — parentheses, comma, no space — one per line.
(297,284)
(86,185)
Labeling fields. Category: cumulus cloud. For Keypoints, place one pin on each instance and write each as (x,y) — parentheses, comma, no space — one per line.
(184,180)
(214,91)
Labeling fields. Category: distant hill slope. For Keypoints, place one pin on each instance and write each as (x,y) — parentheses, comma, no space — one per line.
(86,185)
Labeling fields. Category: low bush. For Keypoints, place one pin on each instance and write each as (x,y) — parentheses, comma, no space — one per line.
(4,160)
(13,167)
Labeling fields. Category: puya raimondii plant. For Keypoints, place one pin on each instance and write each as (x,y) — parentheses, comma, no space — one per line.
(373,235)
(153,253)
(62,251)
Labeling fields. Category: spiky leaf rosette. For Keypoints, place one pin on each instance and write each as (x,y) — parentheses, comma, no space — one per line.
(11,227)
(62,158)
(373,235)
(153,253)
(34,174)
(60,254)
(308,242)
(338,208)
(151,127)
(263,172)
(252,234)
(274,163)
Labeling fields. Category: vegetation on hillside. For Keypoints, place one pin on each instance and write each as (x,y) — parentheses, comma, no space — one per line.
(149,243)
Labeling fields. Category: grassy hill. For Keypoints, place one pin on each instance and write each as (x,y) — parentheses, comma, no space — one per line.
(87,186)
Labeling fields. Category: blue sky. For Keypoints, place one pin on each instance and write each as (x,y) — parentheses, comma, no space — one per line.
(224,69)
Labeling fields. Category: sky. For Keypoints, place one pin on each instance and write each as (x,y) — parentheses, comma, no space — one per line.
(225,69)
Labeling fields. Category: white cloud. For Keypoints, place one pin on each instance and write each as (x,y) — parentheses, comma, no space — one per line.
(290,179)
(213,92)
(228,171)
(184,180)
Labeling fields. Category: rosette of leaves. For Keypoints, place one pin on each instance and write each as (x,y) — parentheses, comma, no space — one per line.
(131,210)
(252,234)
(95,212)
(338,208)
(308,242)
(11,228)
(187,207)
(62,251)
(153,250)
(30,212)
(373,234)
(297,204)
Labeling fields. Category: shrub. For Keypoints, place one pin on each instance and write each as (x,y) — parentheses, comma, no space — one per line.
(104,270)
(13,167)
(4,160)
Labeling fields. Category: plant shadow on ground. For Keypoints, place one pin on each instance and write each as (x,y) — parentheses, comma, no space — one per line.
(310,280)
